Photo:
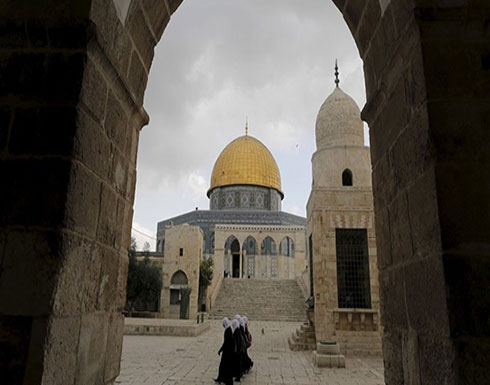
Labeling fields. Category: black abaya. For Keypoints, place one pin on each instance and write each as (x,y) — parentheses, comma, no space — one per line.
(226,365)
(247,361)
(238,370)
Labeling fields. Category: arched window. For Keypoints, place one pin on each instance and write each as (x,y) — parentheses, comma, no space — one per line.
(232,257)
(179,278)
(286,247)
(250,246)
(268,247)
(347,177)
(232,245)
(177,282)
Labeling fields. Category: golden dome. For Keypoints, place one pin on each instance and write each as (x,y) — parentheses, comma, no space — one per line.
(246,161)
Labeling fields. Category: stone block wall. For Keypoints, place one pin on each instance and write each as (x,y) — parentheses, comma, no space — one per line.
(328,210)
(427,74)
(190,240)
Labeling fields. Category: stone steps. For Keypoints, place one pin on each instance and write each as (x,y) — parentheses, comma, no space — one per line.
(303,338)
(260,299)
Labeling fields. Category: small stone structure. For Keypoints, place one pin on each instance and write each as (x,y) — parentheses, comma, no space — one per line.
(183,254)
(327,355)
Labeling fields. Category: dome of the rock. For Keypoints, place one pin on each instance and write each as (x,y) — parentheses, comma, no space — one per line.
(246,161)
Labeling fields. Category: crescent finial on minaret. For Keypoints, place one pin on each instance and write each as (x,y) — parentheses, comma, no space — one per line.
(337,81)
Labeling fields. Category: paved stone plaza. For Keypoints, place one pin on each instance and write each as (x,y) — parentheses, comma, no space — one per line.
(194,360)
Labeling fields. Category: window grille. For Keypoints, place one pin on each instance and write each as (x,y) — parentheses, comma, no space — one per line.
(251,266)
(353,284)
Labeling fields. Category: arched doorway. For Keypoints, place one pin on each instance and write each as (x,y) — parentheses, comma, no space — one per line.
(69,152)
(232,257)
(286,247)
(179,300)
(269,253)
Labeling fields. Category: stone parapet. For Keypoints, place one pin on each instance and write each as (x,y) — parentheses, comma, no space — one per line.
(164,327)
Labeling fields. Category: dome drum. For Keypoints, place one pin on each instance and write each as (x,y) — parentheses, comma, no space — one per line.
(245,197)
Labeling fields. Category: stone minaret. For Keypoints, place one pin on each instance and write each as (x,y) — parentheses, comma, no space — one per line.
(340,228)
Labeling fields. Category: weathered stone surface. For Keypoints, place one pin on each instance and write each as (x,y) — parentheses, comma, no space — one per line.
(114,347)
(107,298)
(61,346)
(437,360)
(393,357)
(410,356)
(426,297)
(142,35)
(116,121)
(94,91)
(91,145)
(400,230)
(383,237)
(424,215)
(84,191)
(92,347)
(392,299)
(78,284)
(158,16)
(137,77)
(106,222)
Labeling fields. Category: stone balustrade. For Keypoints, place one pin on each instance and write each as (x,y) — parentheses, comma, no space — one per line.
(356,319)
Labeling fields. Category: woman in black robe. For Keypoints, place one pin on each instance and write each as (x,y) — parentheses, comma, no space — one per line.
(227,351)
(248,363)
(237,336)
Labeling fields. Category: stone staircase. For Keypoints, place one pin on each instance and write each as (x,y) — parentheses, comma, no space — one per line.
(303,339)
(359,343)
(260,300)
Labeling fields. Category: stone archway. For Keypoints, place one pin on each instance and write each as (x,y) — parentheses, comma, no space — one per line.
(73,80)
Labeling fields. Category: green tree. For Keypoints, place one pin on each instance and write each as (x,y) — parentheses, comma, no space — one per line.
(205,279)
(206,272)
(144,281)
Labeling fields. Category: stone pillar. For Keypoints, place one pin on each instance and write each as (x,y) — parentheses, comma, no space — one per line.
(426,68)
(242,259)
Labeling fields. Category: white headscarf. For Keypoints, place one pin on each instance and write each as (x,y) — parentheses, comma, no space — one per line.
(226,323)
(245,319)
(242,321)
(234,324)
(237,316)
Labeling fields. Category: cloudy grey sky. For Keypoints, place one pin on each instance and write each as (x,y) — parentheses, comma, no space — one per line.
(220,61)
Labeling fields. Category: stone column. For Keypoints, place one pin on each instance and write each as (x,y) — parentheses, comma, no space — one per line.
(426,69)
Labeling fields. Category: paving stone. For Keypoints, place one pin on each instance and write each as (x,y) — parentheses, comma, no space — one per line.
(167,360)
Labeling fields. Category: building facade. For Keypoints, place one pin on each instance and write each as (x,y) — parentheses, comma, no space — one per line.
(341,230)
(244,232)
